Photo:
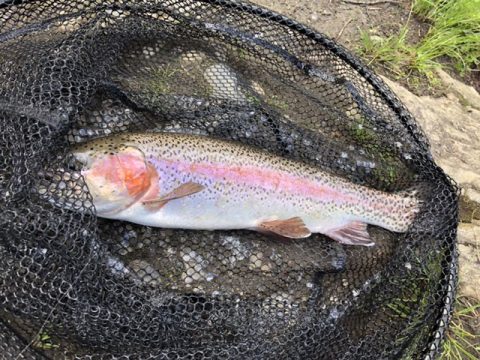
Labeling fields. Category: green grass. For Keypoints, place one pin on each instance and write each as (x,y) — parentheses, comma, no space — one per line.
(276,102)
(388,168)
(454,33)
(161,79)
(43,341)
(462,340)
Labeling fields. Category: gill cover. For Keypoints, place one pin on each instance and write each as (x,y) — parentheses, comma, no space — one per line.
(115,179)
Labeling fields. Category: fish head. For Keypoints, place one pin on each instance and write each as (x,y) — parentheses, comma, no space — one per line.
(117,175)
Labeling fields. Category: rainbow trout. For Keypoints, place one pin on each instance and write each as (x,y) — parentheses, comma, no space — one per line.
(196,182)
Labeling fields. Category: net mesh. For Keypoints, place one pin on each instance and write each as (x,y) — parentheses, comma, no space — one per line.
(76,286)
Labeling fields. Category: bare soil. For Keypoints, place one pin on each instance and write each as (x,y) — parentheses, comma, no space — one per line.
(342,20)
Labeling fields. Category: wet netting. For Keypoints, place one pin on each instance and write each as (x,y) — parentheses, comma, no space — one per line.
(80,287)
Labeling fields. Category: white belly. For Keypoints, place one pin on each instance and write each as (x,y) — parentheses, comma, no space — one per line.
(217,211)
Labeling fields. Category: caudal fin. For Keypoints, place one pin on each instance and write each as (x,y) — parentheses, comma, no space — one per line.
(395,212)
(407,205)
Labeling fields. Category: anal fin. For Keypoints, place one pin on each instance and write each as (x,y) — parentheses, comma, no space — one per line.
(183,190)
(291,228)
(354,233)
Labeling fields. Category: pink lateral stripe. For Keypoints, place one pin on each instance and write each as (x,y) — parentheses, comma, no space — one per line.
(264,178)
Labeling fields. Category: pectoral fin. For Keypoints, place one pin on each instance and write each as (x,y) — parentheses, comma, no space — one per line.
(183,190)
(291,228)
(354,233)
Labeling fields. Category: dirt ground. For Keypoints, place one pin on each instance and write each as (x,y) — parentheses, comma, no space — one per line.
(342,21)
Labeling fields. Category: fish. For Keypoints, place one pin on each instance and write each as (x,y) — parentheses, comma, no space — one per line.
(173,180)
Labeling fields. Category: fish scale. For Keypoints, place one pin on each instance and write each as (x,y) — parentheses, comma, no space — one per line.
(236,187)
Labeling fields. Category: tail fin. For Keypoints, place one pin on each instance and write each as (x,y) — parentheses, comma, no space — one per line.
(408,204)
(395,212)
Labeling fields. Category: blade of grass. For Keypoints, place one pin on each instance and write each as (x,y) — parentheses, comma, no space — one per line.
(461,343)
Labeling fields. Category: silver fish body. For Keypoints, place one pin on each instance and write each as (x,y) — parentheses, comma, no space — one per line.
(196,182)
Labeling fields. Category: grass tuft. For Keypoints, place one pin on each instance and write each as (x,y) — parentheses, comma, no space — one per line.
(454,33)
(44,341)
(462,340)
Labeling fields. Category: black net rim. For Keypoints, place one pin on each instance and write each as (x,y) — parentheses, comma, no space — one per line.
(432,348)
